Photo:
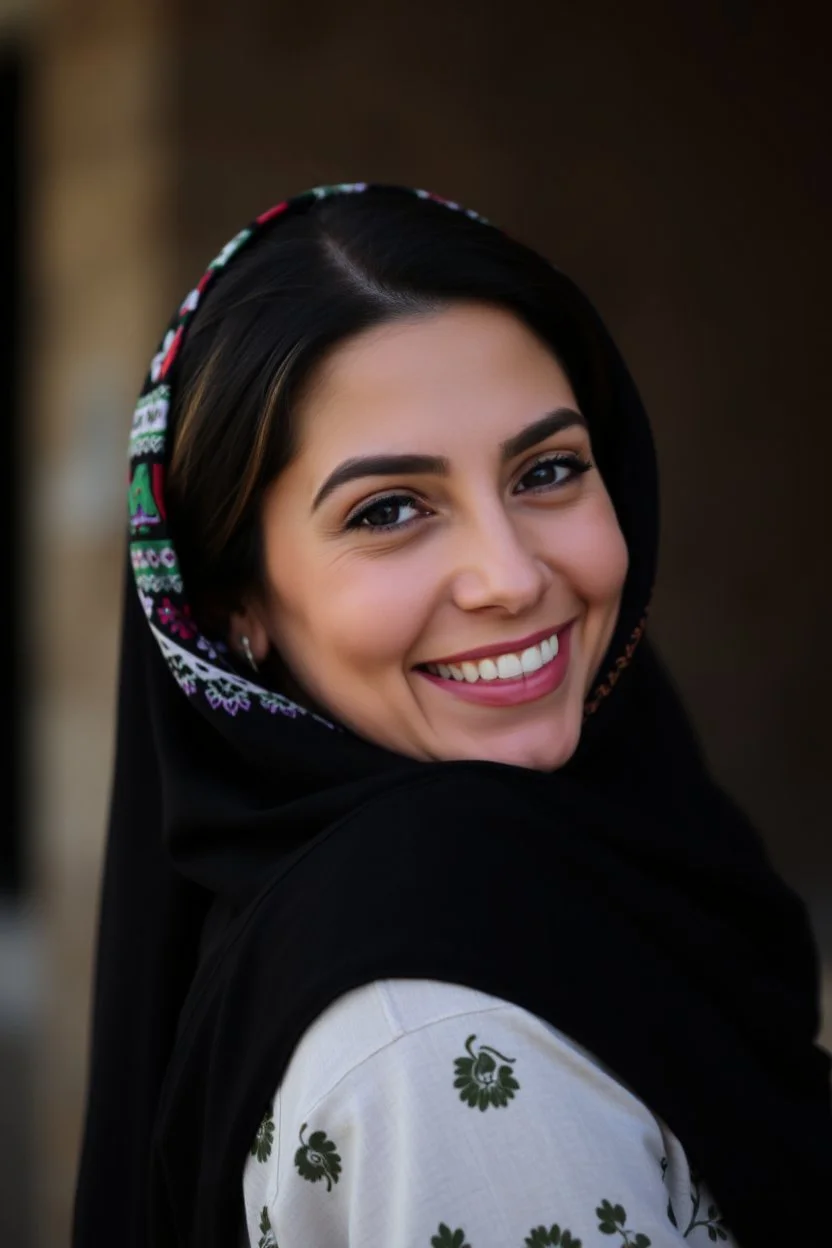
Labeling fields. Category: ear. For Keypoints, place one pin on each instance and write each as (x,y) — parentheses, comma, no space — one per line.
(248,622)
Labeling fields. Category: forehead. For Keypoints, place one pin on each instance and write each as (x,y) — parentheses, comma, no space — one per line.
(468,370)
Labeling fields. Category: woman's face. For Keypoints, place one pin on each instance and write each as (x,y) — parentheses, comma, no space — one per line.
(443,561)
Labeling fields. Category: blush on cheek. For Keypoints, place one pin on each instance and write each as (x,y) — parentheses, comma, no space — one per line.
(597,559)
(598,565)
(373,617)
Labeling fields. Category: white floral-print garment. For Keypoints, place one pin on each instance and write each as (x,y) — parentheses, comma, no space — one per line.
(419,1114)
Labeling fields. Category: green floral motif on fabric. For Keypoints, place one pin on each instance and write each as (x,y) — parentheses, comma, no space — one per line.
(263,1140)
(553,1238)
(318,1159)
(671,1216)
(480,1081)
(611,1219)
(714,1222)
(711,1219)
(446,1238)
(267,1239)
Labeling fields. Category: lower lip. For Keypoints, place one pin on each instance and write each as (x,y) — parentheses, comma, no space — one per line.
(527,688)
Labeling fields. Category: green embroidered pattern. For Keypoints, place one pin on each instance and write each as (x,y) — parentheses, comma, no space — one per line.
(480,1082)
(143,508)
(267,1239)
(318,1159)
(553,1238)
(149,423)
(446,1238)
(262,1146)
(611,1219)
(155,566)
(230,249)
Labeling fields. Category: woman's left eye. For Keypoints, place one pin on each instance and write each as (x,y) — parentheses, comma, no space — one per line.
(556,470)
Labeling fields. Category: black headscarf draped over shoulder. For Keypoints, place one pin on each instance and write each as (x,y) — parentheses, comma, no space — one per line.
(262,861)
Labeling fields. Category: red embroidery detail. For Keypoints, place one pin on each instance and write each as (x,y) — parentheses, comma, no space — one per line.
(271,213)
(173,350)
(158,487)
(605,688)
(178,619)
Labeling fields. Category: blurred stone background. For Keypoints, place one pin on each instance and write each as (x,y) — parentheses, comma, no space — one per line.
(673,158)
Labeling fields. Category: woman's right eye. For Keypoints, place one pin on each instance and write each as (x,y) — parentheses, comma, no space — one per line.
(383,514)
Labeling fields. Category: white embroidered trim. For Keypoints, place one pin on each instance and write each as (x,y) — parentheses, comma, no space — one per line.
(222,688)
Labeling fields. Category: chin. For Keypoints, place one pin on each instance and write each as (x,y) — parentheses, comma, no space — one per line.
(537,750)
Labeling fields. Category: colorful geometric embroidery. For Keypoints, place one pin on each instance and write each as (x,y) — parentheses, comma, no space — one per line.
(605,687)
(177,619)
(222,689)
(144,510)
(338,188)
(161,355)
(149,423)
(230,249)
(155,566)
(455,207)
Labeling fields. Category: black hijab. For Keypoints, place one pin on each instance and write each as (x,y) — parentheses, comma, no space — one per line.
(262,861)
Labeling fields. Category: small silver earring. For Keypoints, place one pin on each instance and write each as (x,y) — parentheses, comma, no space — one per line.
(245,646)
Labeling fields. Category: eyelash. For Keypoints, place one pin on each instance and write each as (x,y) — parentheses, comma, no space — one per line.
(566,459)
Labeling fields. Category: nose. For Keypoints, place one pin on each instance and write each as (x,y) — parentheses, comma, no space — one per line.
(499,566)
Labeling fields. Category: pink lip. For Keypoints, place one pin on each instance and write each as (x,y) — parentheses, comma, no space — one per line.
(511,692)
(503,647)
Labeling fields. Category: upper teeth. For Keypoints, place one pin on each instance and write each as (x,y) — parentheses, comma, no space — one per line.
(501,666)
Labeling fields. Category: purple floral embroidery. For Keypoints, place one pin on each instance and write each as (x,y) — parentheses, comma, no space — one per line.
(275,703)
(212,648)
(221,693)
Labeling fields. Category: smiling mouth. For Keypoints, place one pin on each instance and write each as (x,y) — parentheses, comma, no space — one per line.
(509,666)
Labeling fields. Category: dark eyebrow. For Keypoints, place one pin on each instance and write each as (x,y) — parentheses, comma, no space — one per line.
(404,465)
(380,466)
(539,430)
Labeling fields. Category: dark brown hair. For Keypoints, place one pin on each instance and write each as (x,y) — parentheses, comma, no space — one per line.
(317,278)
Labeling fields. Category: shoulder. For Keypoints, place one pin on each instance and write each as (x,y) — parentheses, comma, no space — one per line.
(393,1014)
(410,1105)
(410,1026)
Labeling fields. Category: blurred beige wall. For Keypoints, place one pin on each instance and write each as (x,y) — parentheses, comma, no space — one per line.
(672,163)
(100,289)
(16,15)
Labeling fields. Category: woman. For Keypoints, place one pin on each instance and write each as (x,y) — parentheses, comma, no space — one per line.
(448,937)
